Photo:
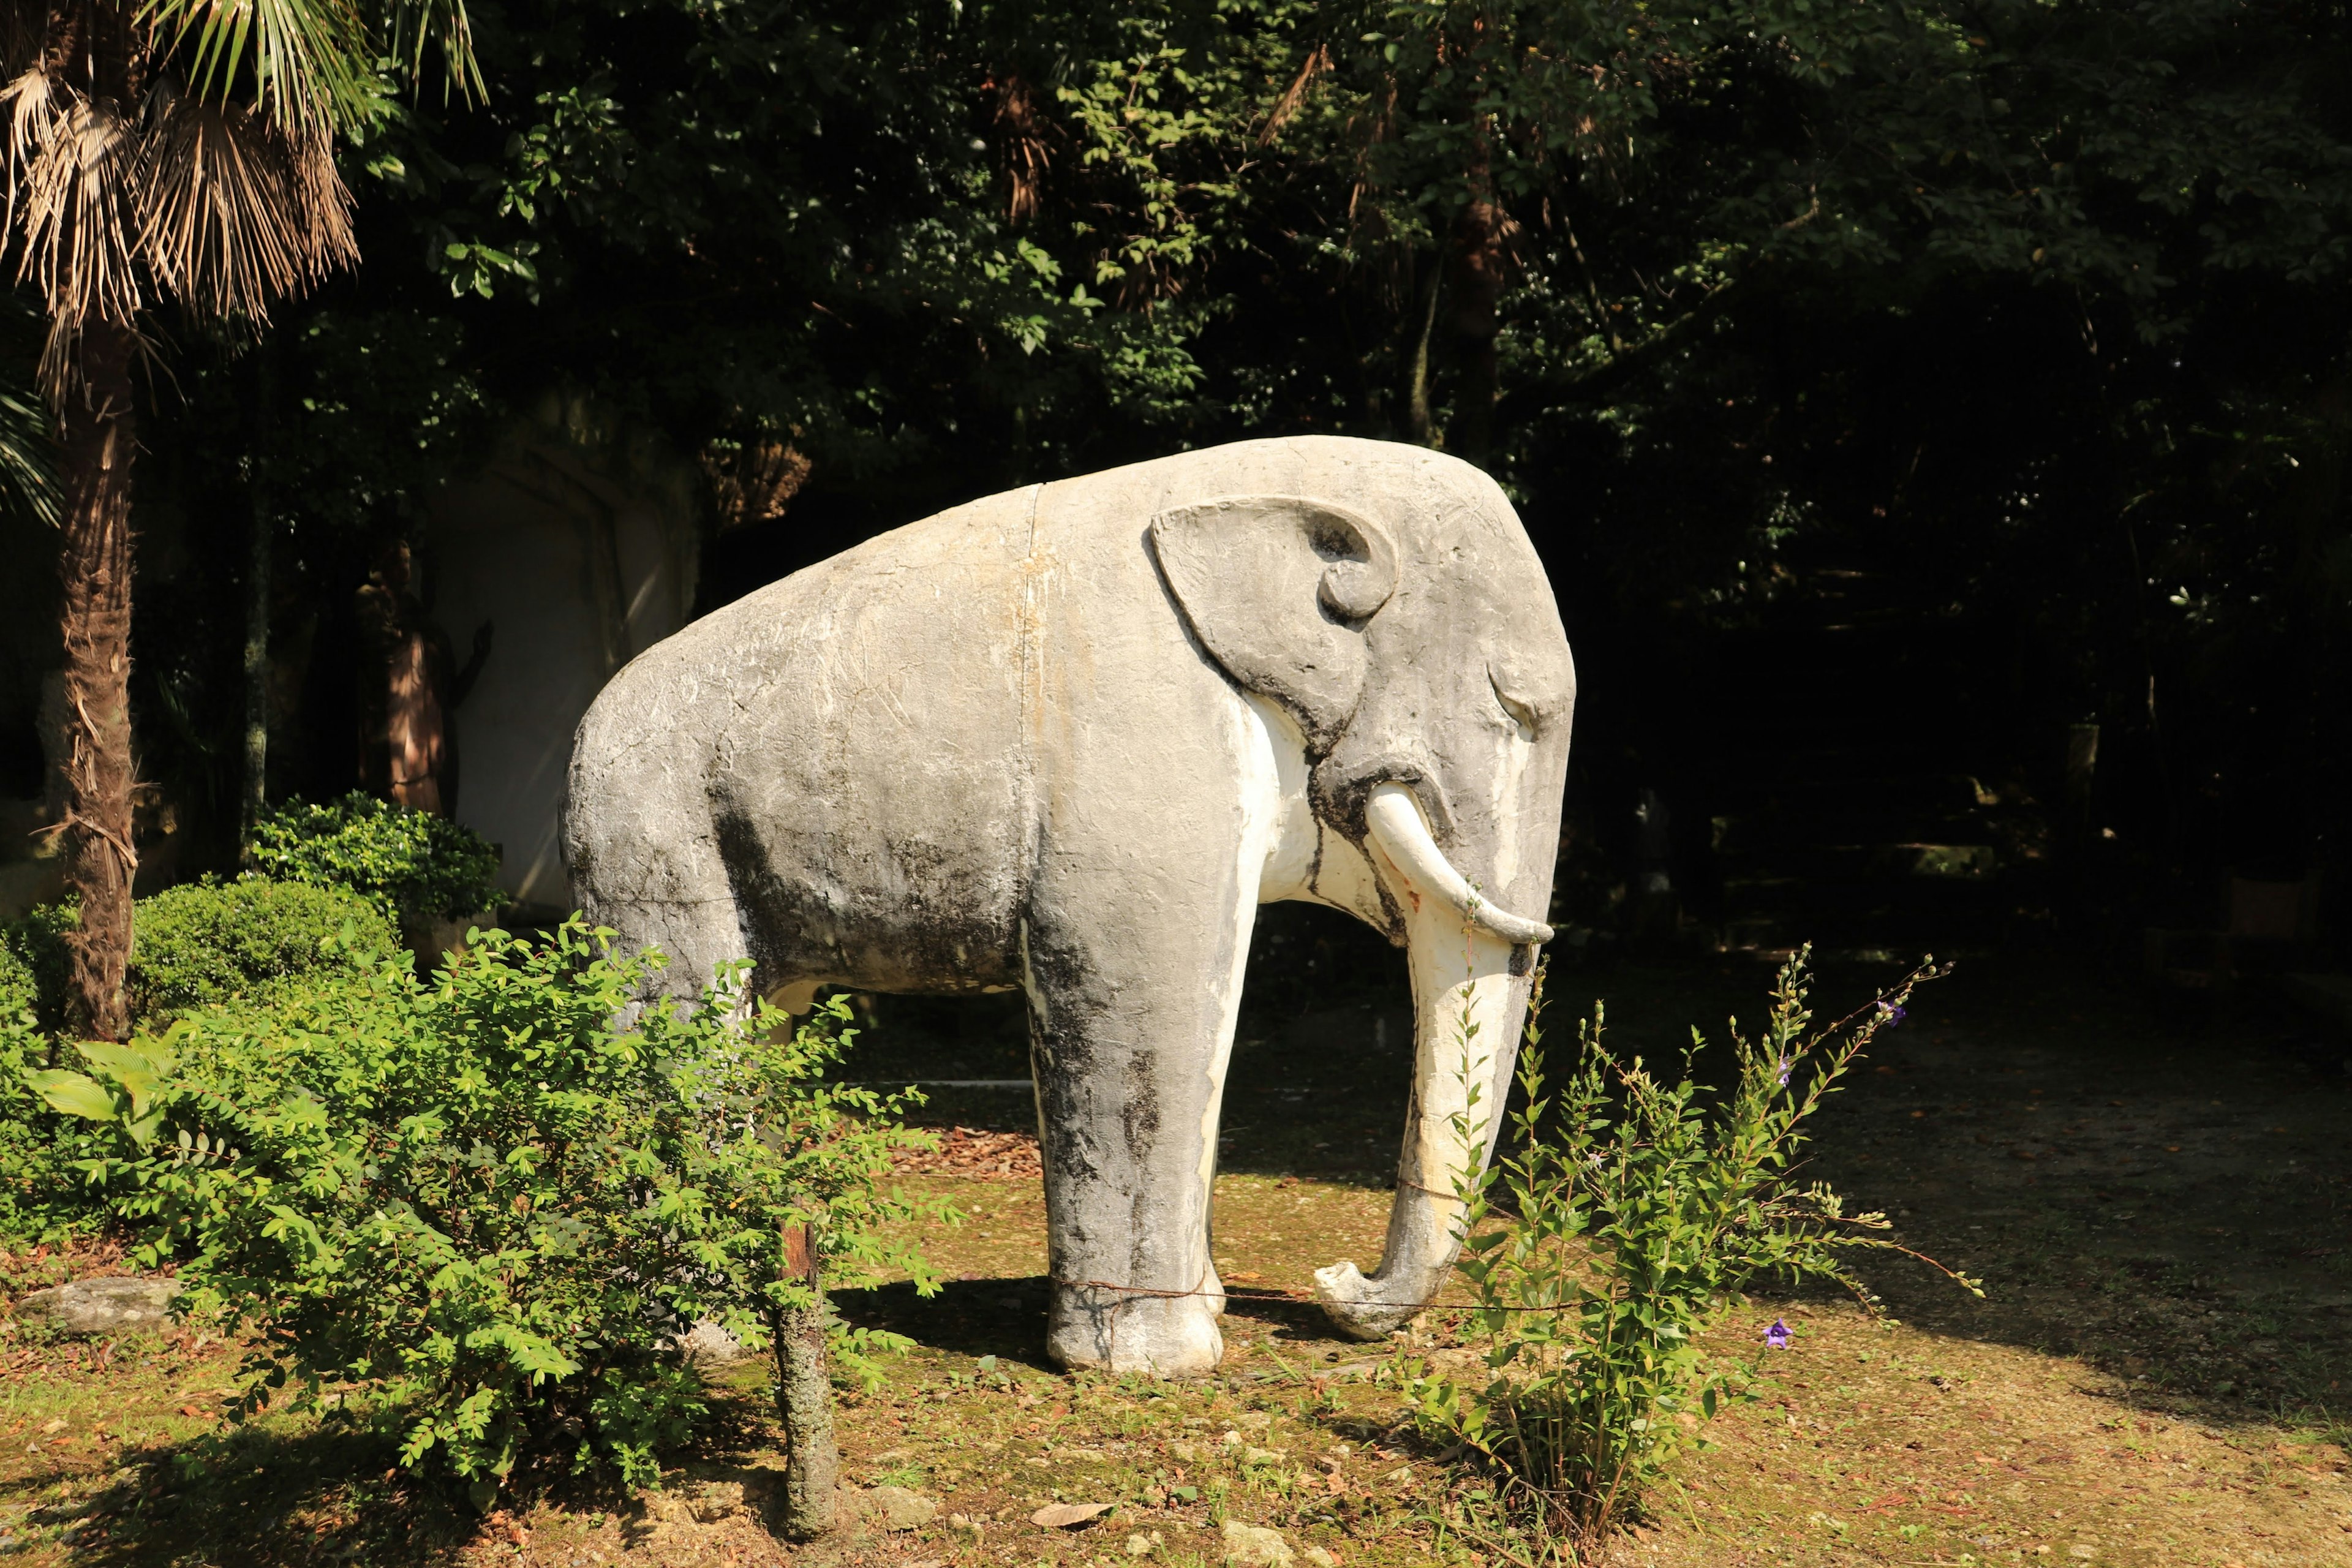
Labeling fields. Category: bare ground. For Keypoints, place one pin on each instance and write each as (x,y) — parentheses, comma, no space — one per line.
(2159,1212)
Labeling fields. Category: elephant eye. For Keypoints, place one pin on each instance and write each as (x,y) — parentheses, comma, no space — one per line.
(1520,715)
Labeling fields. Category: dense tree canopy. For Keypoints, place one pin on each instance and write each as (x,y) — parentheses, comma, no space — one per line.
(2007,335)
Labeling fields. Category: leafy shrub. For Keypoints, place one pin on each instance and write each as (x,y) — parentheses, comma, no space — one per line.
(33,962)
(479,1214)
(19,992)
(412,863)
(206,942)
(1626,1223)
(41,1199)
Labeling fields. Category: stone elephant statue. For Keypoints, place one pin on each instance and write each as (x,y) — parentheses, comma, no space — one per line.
(1067,738)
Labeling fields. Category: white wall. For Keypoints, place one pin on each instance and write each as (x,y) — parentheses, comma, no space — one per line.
(580,573)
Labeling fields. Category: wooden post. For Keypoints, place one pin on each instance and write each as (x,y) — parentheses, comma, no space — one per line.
(804,1402)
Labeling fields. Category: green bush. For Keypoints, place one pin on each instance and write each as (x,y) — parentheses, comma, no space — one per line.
(249,944)
(41,1198)
(1624,1224)
(19,992)
(251,941)
(412,863)
(33,963)
(473,1211)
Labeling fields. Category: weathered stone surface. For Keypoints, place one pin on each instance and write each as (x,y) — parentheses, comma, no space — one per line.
(91,1307)
(895,1508)
(1254,1546)
(708,1344)
(1065,740)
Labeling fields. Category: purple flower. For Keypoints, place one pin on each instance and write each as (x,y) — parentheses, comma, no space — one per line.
(1778,1336)
(1890,1014)
(1788,1065)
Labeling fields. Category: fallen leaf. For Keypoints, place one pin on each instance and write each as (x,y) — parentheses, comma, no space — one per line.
(57,1426)
(190,1410)
(1068,1515)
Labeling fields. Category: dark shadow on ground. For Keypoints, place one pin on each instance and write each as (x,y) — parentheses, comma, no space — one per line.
(1002,1318)
(2166,1193)
(266,1497)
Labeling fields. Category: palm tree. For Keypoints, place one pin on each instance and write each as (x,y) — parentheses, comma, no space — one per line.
(179,149)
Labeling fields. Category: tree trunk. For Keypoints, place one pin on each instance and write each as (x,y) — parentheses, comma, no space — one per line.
(257,617)
(1417,420)
(98,435)
(804,1400)
(1480,261)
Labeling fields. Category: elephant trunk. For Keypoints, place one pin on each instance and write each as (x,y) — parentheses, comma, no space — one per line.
(1470,986)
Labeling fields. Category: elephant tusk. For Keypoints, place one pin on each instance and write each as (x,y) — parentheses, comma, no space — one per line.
(1397,827)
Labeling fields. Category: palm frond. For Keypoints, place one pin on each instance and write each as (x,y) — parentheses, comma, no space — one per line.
(69,157)
(235,209)
(29,453)
(28,459)
(415,24)
(311,61)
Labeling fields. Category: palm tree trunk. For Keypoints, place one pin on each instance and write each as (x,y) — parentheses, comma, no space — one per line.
(98,435)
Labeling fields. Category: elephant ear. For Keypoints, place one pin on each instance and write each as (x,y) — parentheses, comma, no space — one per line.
(1278,588)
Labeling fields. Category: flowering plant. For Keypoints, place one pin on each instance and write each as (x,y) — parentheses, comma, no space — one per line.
(1623,1221)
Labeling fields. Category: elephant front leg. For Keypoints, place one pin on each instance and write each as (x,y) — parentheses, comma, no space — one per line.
(1130,1075)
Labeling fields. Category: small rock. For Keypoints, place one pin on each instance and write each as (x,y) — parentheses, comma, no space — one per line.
(708,1344)
(1185,1453)
(89,1308)
(1320,1558)
(1254,1546)
(1142,1545)
(895,1508)
(1262,1456)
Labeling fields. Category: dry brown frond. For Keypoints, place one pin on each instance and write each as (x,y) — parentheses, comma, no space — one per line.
(69,162)
(1287,104)
(235,210)
(1022,127)
(754,482)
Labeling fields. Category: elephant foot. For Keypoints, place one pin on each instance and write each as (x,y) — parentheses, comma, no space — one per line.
(1358,1307)
(1161,1336)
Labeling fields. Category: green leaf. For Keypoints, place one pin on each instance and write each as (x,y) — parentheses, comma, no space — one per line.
(73,1094)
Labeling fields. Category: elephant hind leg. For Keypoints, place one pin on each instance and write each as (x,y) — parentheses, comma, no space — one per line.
(671,902)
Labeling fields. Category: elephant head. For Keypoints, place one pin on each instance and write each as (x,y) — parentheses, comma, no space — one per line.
(1422,655)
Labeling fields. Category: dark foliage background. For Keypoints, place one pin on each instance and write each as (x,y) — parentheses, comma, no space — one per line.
(1892,389)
